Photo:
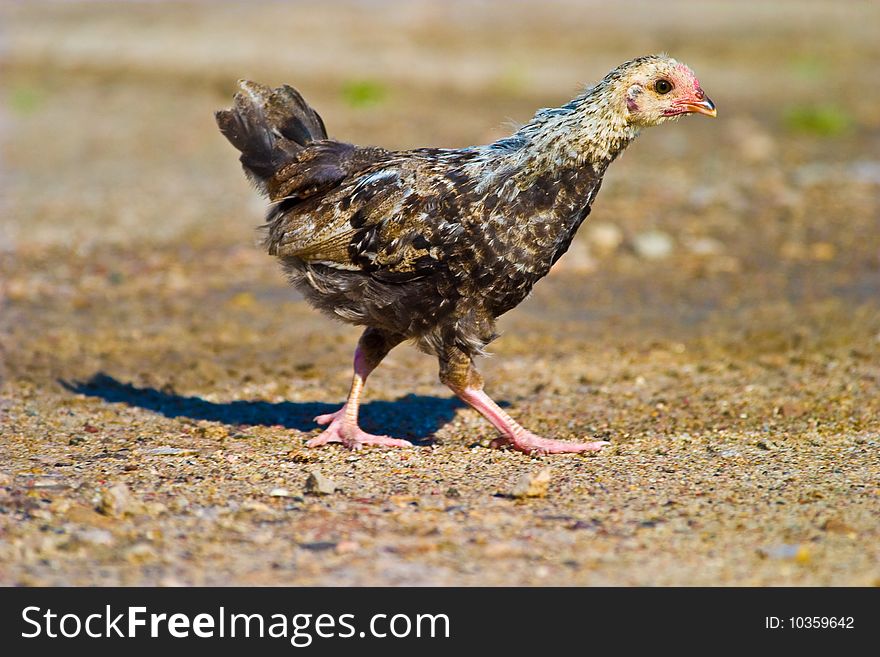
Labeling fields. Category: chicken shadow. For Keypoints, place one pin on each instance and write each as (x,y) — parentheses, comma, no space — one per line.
(413,417)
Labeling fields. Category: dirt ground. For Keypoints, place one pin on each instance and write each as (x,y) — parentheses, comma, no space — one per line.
(717,320)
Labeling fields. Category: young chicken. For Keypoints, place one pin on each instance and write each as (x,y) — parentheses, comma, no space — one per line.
(432,245)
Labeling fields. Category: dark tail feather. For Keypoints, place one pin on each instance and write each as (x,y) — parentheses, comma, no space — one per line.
(269,127)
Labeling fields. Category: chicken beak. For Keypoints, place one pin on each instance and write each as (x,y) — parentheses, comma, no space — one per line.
(704,106)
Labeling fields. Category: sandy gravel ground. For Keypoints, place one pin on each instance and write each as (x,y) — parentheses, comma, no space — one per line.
(718,321)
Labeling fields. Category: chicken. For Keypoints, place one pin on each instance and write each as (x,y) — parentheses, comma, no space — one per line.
(433,244)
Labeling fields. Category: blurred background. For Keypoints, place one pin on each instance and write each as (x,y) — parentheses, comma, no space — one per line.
(726,284)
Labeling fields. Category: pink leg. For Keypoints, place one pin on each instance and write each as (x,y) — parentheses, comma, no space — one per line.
(343,424)
(515,435)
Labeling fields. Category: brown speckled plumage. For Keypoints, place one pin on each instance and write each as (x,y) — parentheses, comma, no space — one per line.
(431,244)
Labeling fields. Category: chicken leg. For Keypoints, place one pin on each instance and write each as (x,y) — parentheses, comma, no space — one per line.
(458,372)
(343,427)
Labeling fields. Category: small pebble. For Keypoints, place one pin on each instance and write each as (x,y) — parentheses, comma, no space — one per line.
(792,552)
(529,485)
(318,484)
(171,451)
(604,237)
(256,507)
(140,553)
(319,546)
(704,246)
(95,536)
(118,501)
(836,525)
(653,245)
(45,482)
(502,550)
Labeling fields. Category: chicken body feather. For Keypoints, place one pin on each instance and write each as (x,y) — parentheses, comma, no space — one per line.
(433,244)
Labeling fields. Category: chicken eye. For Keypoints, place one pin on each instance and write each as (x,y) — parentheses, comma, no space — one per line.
(663,86)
